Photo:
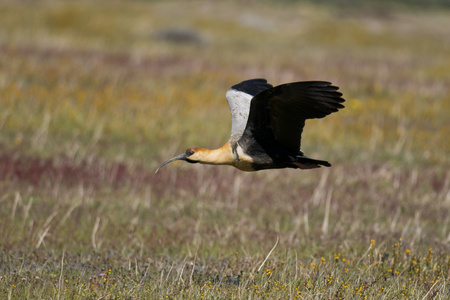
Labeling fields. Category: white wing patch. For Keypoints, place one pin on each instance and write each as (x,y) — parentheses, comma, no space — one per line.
(239,103)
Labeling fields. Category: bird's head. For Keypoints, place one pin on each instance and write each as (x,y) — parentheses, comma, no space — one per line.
(192,155)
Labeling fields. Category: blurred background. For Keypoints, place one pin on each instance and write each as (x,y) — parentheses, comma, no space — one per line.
(94,95)
(144,78)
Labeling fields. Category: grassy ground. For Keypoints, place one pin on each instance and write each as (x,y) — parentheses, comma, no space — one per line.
(93,97)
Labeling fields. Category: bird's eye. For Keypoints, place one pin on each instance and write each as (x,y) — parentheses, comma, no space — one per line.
(189,152)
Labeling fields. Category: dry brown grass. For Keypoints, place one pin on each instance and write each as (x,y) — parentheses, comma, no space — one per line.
(93,98)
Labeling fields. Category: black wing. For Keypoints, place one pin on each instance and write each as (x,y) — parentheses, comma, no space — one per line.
(252,86)
(279,113)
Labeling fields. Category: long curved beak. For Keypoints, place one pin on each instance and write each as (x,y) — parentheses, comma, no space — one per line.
(179,157)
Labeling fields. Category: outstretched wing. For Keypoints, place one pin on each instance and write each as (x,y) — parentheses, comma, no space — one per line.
(239,97)
(279,113)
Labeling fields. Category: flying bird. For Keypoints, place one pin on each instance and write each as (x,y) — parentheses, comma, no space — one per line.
(267,125)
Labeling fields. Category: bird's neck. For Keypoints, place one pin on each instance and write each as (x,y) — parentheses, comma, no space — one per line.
(221,156)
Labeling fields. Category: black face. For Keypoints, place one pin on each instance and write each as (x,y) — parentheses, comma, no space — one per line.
(188,153)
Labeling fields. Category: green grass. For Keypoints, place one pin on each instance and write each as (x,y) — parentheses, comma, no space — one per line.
(92,100)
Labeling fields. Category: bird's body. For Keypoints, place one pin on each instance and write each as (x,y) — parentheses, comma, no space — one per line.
(267,123)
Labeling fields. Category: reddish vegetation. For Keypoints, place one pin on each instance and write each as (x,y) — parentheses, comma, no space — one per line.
(92,58)
(35,170)
(38,171)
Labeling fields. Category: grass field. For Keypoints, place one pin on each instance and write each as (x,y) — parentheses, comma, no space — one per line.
(94,96)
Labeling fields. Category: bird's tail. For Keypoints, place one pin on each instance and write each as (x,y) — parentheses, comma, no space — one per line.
(304,162)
